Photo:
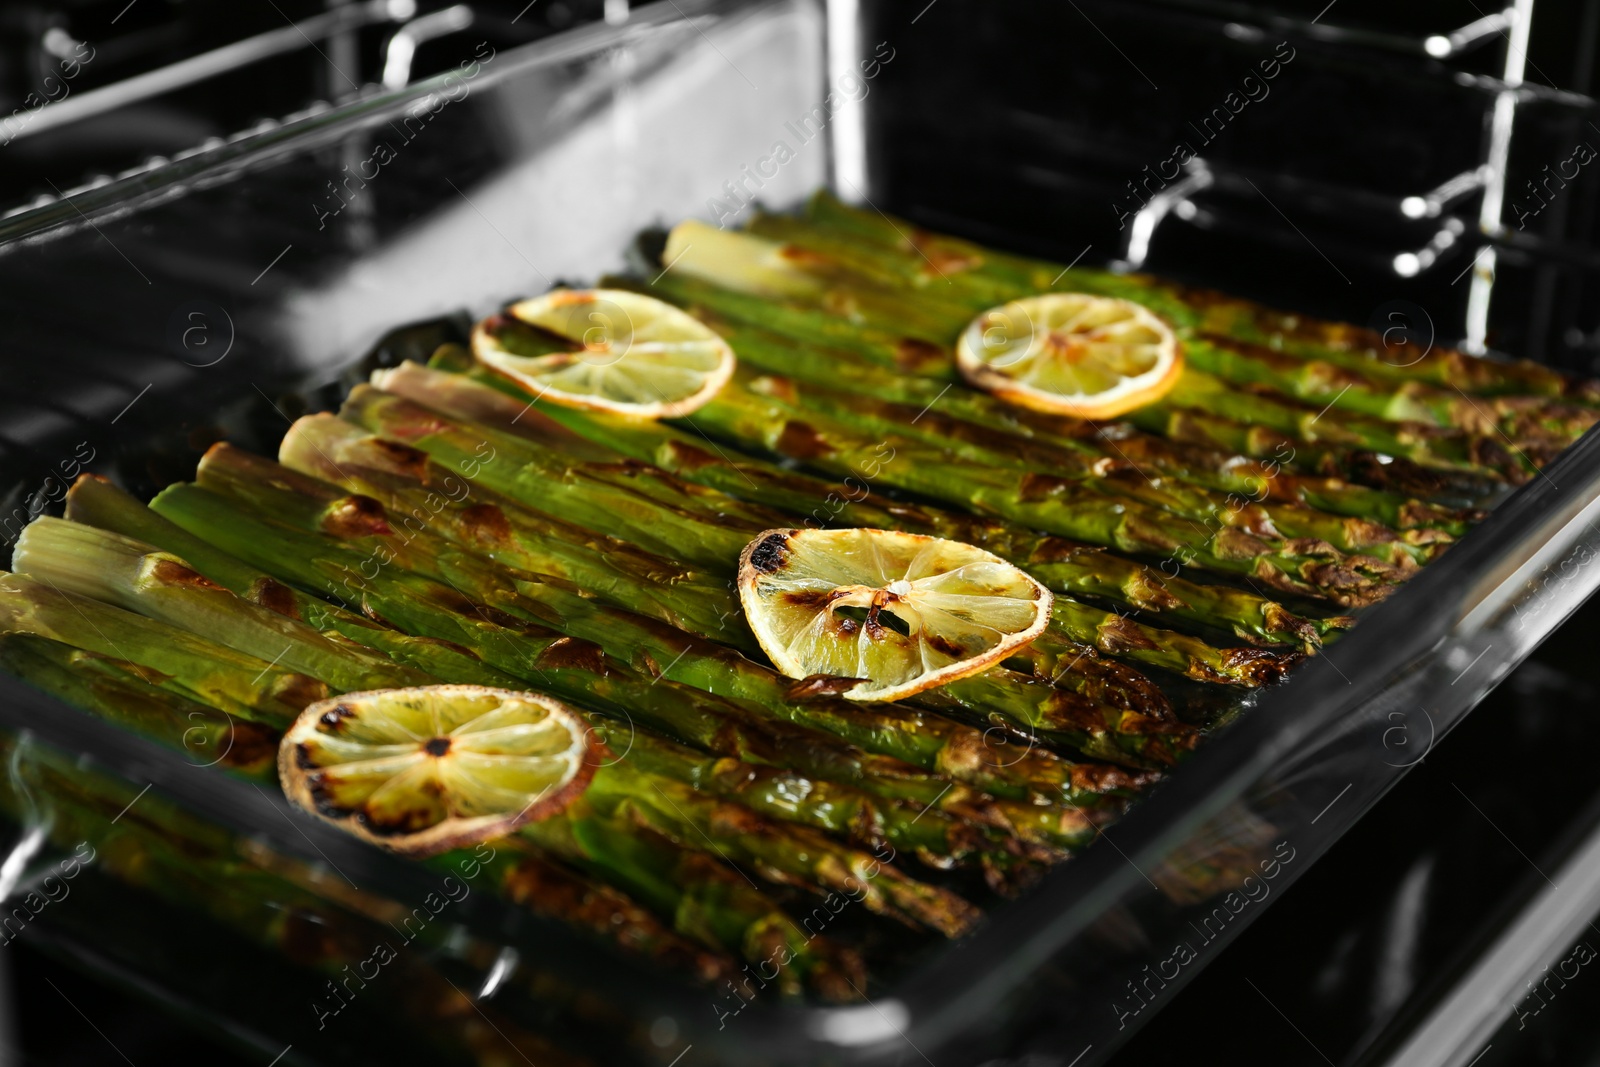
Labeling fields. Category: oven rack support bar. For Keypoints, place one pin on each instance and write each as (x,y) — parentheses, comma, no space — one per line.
(1174,198)
(1410,264)
(847,133)
(1431,204)
(1514,23)
(1489,177)
(1494,187)
(1468,37)
(402,47)
(1249,21)
(229,57)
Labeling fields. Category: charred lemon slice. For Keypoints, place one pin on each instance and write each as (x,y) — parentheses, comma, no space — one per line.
(902,612)
(628,353)
(422,770)
(1094,357)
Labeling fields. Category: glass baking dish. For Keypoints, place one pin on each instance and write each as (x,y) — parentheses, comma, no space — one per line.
(220,294)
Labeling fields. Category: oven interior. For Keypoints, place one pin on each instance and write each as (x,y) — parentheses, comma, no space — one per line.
(223,294)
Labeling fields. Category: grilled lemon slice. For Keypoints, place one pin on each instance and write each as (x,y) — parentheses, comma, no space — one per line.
(902,612)
(422,770)
(1094,357)
(633,354)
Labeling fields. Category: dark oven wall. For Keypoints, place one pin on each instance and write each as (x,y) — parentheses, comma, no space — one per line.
(56,50)
(1048,127)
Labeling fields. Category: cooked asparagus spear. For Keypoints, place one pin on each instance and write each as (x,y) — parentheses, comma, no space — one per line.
(709,898)
(107,563)
(254,690)
(1276,439)
(778,852)
(431,609)
(1342,383)
(761,415)
(931,834)
(523,472)
(1524,418)
(143,700)
(704,901)
(134,575)
(94,501)
(884,324)
(1123,734)
(925,258)
(1056,506)
(1093,452)
(1064,566)
(452,443)
(1448,451)
(226,883)
(80,559)
(330,448)
(1478,455)
(1397,359)
(1111,481)
(845,389)
(153,704)
(714,725)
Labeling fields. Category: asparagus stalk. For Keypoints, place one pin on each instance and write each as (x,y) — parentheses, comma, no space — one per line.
(336,453)
(174,857)
(712,909)
(1114,481)
(141,700)
(723,414)
(1057,506)
(884,325)
(526,471)
(983,275)
(1520,418)
(1322,381)
(933,263)
(330,448)
(1093,451)
(931,834)
(761,415)
(963,262)
(253,689)
(451,443)
(712,905)
(139,578)
(94,501)
(116,570)
(780,853)
(432,609)
(1075,720)
(1448,451)
(1275,439)
(709,723)
(706,901)
(987,431)
(1370,353)
(1478,455)
(1064,566)
(970,267)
